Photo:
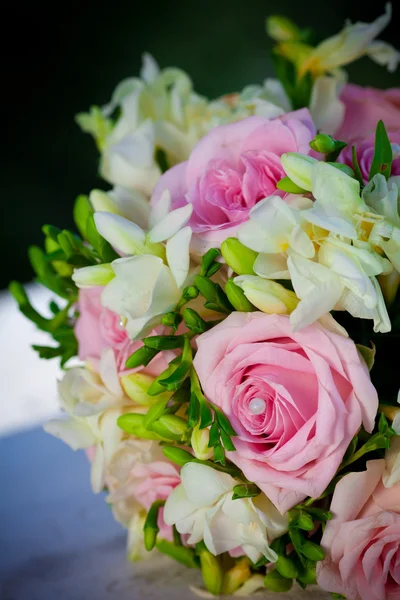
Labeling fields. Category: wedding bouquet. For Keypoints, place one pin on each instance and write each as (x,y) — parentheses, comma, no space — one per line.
(225,300)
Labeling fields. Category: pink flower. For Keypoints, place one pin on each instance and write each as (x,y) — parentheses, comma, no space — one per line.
(231,169)
(98,328)
(294,399)
(364,108)
(365,153)
(139,474)
(363,539)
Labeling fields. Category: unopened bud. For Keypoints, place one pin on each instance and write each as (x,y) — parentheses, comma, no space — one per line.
(170,427)
(268,296)
(282,29)
(323,143)
(98,275)
(298,167)
(238,257)
(237,297)
(199,441)
(211,571)
(236,576)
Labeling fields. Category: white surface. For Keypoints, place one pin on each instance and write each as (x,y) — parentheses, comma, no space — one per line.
(28,384)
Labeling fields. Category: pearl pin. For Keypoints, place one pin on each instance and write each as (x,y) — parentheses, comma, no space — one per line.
(257,406)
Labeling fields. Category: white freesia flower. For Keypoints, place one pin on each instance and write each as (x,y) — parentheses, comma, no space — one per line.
(268,296)
(142,290)
(353,42)
(391,476)
(202,507)
(93,402)
(124,202)
(274,226)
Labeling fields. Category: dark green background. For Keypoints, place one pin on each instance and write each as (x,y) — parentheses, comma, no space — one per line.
(60,61)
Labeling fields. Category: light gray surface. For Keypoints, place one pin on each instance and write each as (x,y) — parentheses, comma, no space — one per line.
(59,542)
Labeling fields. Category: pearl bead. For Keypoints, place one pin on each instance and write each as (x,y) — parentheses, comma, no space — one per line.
(257,406)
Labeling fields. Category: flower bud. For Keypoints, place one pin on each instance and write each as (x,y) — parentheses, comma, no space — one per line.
(102,202)
(323,143)
(135,387)
(200,439)
(170,427)
(298,167)
(211,571)
(177,455)
(238,257)
(275,582)
(282,29)
(98,275)
(268,296)
(237,297)
(287,567)
(236,576)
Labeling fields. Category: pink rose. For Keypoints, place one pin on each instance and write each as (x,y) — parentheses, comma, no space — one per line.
(364,108)
(98,328)
(362,541)
(295,400)
(365,153)
(231,169)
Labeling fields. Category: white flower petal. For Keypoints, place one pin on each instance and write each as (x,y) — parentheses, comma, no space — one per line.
(326,108)
(161,209)
(205,485)
(301,243)
(178,506)
(98,275)
(178,255)
(98,471)
(150,69)
(125,236)
(171,224)
(76,434)
(317,303)
(109,372)
(271,266)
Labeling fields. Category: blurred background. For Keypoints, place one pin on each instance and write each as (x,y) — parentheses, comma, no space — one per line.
(60,63)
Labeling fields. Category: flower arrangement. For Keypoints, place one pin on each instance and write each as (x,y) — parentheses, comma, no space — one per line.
(226,299)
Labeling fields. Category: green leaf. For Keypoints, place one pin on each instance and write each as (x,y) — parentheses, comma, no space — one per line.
(48,352)
(297,539)
(227,442)
(308,574)
(194,410)
(177,455)
(320,514)
(156,387)
(219,454)
(141,357)
(214,435)
(174,380)
(275,582)
(82,211)
(356,167)
(164,342)
(246,490)
(224,422)
(183,555)
(368,354)
(383,154)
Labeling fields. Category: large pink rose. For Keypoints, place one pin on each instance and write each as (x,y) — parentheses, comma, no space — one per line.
(231,169)
(362,541)
(98,328)
(294,399)
(364,108)
(365,153)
